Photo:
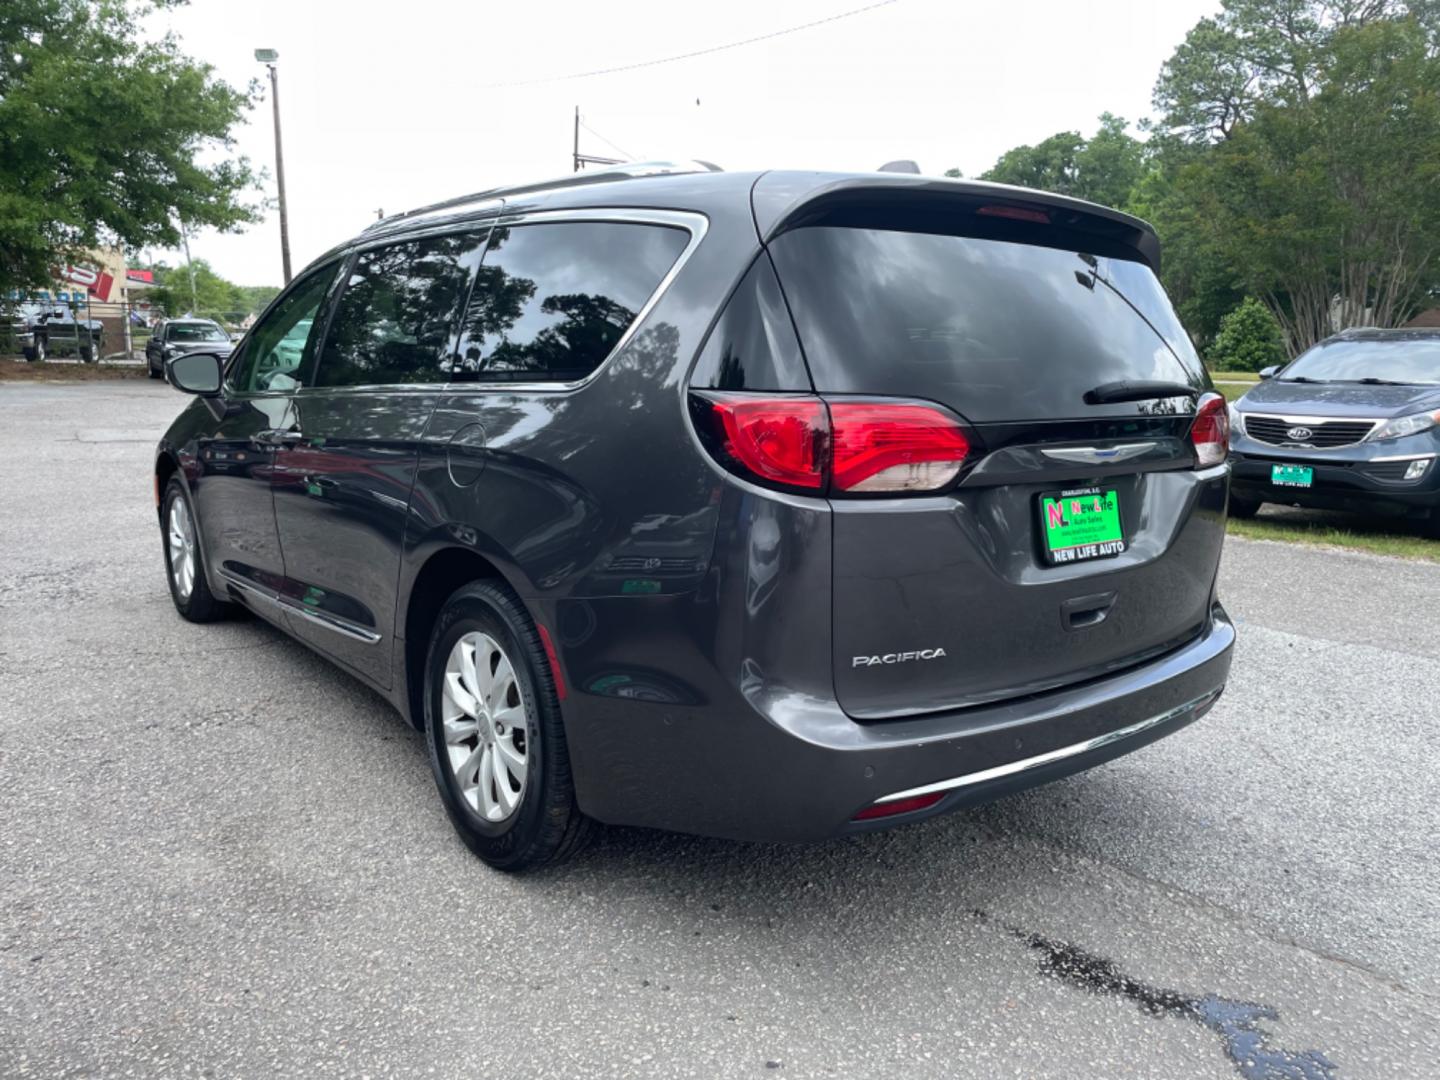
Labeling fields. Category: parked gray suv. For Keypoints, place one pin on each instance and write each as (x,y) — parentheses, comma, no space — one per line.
(762,505)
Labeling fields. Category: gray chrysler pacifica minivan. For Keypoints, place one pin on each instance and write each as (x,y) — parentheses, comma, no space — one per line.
(761,505)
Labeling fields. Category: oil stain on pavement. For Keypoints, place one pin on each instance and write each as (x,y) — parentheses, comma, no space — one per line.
(1235,1022)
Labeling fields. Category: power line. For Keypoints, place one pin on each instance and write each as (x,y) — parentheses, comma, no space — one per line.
(607,142)
(697,52)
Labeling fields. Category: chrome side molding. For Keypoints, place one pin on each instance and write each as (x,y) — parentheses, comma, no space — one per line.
(344,627)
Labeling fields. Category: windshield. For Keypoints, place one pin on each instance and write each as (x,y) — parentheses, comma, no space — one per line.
(196,332)
(1415,362)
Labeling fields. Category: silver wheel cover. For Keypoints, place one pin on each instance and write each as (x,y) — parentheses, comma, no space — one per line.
(180,536)
(487,739)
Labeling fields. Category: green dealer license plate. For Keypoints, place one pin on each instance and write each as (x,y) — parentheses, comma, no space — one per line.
(1292,475)
(1081,524)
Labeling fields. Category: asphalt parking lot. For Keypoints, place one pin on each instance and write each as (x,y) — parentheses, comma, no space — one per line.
(221,857)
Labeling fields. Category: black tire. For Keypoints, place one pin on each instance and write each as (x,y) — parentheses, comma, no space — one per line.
(1243,508)
(1430,527)
(150,367)
(201,605)
(546,827)
(87,354)
(35,353)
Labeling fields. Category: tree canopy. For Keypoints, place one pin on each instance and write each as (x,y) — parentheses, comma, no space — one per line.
(108,138)
(1103,169)
(214,296)
(1295,157)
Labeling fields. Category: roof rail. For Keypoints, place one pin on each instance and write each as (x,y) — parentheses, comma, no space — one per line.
(627,171)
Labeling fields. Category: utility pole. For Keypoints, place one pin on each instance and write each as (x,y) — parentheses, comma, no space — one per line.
(189,267)
(581,160)
(268,57)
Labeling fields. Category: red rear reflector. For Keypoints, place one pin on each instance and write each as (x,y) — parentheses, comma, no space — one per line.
(1015,213)
(779,439)
(899,806)
(549,647)
(885,446)
(1210,433)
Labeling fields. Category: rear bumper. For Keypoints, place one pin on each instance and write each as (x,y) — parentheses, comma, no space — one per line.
(774,764)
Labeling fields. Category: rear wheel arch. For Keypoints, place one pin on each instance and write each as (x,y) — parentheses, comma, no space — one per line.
(442,573)
(166,466)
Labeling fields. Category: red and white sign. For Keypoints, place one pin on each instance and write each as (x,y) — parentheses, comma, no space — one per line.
(96,282)
(146,276)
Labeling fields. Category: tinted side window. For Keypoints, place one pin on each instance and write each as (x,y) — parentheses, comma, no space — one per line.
(281,342)
(551,301)
(393,323)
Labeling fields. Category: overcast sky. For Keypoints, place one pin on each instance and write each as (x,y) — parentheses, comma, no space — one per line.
(396,104)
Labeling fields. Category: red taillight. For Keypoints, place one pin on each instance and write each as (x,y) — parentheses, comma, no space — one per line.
(881,446)
(899,806)
(839,446)
(779,439)
(1211,431)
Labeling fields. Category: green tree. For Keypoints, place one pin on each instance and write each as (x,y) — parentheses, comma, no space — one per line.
(1050,165)
(1103,169)
(107,138)
(1323,195)
(1249,339)
(1195,271)
(255,298)
(215,298)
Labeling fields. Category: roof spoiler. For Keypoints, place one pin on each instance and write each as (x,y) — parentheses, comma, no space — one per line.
(784,201)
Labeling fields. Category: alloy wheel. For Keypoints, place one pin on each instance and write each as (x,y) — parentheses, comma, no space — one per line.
(483,718)
(181,539)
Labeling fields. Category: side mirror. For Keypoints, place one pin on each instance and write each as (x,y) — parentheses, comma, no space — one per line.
(1269,372)
(196,373)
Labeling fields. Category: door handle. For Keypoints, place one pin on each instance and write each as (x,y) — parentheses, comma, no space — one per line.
(277,437)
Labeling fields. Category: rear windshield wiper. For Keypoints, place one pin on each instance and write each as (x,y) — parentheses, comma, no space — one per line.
(1137,390)
(1372,381)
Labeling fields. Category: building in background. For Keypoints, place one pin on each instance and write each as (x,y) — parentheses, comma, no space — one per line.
(99,288)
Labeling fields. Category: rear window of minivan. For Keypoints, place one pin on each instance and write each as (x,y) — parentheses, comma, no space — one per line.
(997,330)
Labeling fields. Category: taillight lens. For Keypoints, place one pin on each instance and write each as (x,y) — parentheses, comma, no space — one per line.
(1210,432)
(839,446)
(780,440)
(899,446)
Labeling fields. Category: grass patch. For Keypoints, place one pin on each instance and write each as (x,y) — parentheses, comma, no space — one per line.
(1235,376)
(20,371)
(1234,393)
(1379,536)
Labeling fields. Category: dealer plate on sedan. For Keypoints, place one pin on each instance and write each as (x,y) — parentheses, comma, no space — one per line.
(1292,475)
(1081,524)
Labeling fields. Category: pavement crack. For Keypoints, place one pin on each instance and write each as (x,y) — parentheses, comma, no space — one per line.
(1229,914)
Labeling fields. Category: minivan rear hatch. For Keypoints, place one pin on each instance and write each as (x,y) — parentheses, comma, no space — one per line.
(1080,541)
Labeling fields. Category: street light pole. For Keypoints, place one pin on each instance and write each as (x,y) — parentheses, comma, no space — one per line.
(269,57)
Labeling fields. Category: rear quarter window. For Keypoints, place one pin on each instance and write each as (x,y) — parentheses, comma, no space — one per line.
(997,330)
(551,301)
